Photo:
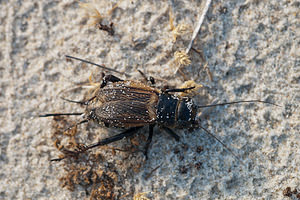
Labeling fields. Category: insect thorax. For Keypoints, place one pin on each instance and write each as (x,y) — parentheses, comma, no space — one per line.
(175,112)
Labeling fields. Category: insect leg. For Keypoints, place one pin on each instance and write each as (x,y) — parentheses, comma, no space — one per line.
(178,89)
(114,138)
(149,140)
(171,133)
(109,78)
(147,79)
(109,140)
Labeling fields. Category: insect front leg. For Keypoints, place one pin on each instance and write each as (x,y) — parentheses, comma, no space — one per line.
(114,138)
(109,78)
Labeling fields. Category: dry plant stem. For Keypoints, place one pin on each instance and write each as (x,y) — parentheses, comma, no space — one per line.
(197,29)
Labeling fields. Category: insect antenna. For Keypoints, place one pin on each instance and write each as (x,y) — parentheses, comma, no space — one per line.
(100,66)
(229,103)
(236,102)
(59,114)
(223,144)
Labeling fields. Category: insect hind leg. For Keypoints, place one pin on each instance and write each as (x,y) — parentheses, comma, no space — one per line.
(120,136)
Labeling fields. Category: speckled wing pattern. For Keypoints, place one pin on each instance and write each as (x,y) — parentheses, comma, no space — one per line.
(127,105)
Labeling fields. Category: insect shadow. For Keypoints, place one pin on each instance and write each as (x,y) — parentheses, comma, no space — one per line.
(131,105)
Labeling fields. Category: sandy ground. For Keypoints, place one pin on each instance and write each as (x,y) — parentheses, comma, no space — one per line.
(251,49)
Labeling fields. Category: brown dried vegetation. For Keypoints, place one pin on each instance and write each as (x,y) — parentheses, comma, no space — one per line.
(91,171)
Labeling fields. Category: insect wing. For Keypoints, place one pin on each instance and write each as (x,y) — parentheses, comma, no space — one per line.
(127,106)
(125,113)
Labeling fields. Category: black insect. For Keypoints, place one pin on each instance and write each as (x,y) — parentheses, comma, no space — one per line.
(132,105)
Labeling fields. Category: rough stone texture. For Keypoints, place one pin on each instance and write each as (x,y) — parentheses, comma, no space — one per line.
(252,50)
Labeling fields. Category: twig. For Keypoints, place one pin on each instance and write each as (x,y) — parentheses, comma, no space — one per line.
(197,29)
